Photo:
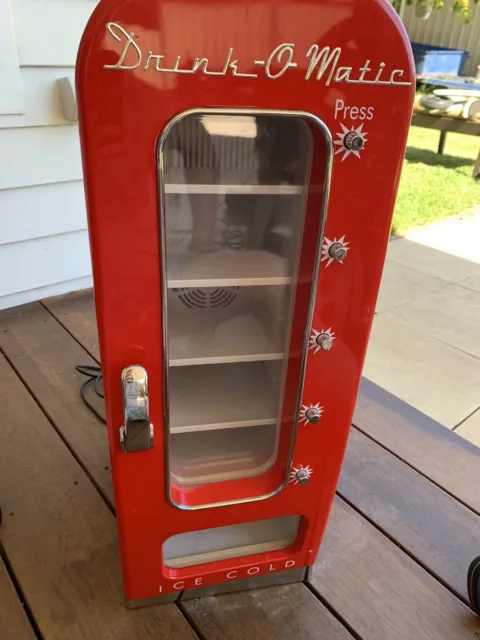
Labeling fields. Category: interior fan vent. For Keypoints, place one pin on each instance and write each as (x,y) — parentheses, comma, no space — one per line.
(207,298)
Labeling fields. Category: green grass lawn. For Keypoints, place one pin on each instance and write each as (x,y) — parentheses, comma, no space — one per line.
(435,187)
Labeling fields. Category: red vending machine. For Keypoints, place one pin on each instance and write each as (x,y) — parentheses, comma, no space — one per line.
(241,160)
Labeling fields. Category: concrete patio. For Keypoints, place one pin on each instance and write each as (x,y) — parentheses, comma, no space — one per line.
(425,343)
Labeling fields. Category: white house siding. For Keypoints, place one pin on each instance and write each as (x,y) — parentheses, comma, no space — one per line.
(444,29)
(43,236)
(43,231)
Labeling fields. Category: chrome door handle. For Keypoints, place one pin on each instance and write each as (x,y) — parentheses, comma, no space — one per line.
(136,434)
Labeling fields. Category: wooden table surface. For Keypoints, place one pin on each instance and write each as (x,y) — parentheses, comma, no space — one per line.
(403,529)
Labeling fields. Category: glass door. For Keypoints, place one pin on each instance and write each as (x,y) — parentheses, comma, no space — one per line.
(234,191)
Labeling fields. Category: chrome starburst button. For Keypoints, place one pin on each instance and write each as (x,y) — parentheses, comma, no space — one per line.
(321,340)
(350,141)
(334,250)
(301,474)
(311,413)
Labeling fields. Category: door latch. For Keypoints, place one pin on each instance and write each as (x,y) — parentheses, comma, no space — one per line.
(136,434)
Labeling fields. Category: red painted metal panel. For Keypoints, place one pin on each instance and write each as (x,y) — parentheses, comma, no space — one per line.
(125,102)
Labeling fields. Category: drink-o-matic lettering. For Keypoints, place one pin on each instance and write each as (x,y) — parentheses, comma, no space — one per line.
(323,64)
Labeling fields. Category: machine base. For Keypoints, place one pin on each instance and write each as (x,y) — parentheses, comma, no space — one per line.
(280,577)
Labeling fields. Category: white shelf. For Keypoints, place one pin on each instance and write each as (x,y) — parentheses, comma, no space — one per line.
(223,396)
(240,189)
(249,329)
(217,456)
(227,269)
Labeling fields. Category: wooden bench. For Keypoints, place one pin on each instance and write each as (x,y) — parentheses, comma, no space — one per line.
(403,529)
(448,125)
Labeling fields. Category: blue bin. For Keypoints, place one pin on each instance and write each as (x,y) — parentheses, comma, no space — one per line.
(431,60)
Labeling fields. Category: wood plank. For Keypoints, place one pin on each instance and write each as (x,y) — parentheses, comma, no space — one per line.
(276,613)
(76,312)
(14,624)
(375,486)
(44,261)
(45,355)
(442,456)
(31,324)
(446,567)
(40,211)
(432,526)
(454,125)
(381,592)
(61,540)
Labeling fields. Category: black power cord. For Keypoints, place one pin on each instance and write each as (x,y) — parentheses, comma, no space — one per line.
(94,379)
